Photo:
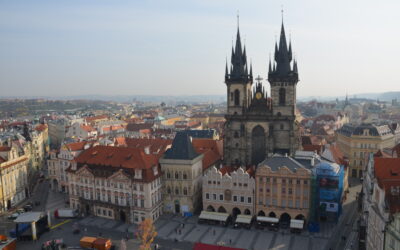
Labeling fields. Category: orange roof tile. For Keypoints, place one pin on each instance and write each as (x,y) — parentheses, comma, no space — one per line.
(41,127)
(387,171)
(4,148)
(119,157)
(94,118)
(88,128)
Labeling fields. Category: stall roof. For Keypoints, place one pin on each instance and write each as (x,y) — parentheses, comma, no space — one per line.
(296,224)
(29,217)
(267,219)
(213,216)
(242,218)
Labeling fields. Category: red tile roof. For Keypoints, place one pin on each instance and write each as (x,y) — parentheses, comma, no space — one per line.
(119,157)
(313,148)
(4,148)
(138,126)
(94,118)
(88,128)
(41,127)
(387,171)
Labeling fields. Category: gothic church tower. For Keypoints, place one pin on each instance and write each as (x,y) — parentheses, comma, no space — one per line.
(257,125)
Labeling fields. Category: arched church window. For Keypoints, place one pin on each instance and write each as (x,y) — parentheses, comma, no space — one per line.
(282,96)
(237,97)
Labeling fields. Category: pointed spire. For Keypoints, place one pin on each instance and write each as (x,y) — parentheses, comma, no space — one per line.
(251,70)
(290,50)
(269,65)
(295,66)
(226,68)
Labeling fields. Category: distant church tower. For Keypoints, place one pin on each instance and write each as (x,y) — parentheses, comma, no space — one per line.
(256,125)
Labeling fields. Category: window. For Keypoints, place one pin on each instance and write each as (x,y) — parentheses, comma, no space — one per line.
(142,203)
(168,175)
(283,203)
(267,179)
(305,182)
(290,191)
(283,180)
(109,213)
(297,203)
(290,181)
(207,196)
(185,191)
(235,198)
(267,190)
(214,197)
(141,187)
(305,192)
(184,176)
(176,175)
(305,204)
(241,198)
(283,190)
(298,182)
(237,97)
(282,96)
(274,202)
(290,203)
(221,197)
(176,191)
(248,199)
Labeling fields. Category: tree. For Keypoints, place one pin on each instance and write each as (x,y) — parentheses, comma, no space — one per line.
(146,233)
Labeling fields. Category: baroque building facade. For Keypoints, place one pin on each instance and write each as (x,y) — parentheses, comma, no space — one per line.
(257,125)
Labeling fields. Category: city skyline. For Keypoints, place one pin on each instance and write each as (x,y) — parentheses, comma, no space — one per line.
(144,48)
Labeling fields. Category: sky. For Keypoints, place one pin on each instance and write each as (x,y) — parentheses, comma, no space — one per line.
(179,47)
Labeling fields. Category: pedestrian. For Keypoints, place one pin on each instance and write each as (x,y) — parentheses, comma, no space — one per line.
(230,241)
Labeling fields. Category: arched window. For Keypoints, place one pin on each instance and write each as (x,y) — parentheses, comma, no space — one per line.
(237,97)
(282,96)
(176,175)
(168,175)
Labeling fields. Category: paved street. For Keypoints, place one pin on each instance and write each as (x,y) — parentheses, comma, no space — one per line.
(171,234)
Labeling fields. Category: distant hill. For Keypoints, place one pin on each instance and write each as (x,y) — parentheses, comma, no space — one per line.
(386,96)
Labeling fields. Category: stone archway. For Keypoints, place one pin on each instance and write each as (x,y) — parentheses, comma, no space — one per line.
(300,217)
(261,213)
(258,147)
(285,217)
(247,212)
(272,214)
(221,209)
(235,211)
(210,208)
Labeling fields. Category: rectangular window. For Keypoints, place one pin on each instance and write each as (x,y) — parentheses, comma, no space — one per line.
(290,203)
(274,202)
(241,198)
(234,198)
(207,196)
(283,190)
(221,197)
(267,201)
(267,179)
(305,204)
(305,182)
(305,192)
(290,191)
(298,182)
(214,197)
(142,203)
(283,203)
(248,199)
(283,180)
(297,203)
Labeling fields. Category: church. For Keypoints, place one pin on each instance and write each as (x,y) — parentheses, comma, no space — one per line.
(258,125)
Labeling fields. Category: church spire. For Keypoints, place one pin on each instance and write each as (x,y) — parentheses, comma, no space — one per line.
(239,67)
(283,58)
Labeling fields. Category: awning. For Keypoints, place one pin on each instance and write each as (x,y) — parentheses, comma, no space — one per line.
(29,217)
(267,219)
(242,218)
(206,215)
(299,224)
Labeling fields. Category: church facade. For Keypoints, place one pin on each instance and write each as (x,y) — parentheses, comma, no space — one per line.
(258,125)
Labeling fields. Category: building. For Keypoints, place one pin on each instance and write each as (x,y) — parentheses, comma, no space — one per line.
(57,132)
(182,167)
(117,183)
(357,141)
(257,125)
(283,188)
(60,160)
(14,165)
(329,184)
(381,202)
(79,130)
(229,190)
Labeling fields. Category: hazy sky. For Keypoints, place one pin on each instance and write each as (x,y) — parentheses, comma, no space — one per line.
(171,47)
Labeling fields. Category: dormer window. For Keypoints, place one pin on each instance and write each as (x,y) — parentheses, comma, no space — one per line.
(138,174)
(155,170)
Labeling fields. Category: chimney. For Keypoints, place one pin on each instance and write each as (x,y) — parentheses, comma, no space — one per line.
(147,150)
